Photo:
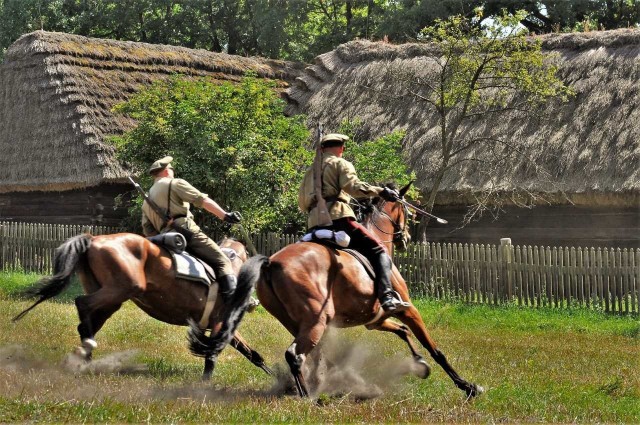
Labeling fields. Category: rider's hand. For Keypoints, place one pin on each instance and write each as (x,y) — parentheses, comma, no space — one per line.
(389,195)
(233,217)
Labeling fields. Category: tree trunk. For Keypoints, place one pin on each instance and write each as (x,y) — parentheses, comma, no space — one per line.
(421,233)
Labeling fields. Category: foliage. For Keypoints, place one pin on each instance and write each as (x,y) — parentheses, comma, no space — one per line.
(230,141)
(289,29)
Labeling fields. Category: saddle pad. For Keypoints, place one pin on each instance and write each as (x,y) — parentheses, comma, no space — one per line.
(191,268)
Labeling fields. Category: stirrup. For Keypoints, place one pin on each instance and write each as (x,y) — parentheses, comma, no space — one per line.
(393,303)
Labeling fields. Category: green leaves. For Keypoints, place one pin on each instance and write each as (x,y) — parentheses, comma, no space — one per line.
(230,141)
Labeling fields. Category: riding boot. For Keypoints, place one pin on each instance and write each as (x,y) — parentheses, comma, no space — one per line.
(390,301)
(227,286)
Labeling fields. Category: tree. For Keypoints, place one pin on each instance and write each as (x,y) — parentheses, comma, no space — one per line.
(230,141)
(472,74)
(577,15)
(290,29)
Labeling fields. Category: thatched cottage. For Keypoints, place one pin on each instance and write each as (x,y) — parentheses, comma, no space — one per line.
(57,91)
(590,144)
(56,95)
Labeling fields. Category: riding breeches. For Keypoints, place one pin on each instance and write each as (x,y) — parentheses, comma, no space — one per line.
(204,248)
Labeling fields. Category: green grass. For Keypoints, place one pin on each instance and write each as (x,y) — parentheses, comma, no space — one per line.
(537,366)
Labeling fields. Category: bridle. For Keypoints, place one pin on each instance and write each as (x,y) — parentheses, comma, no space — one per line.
(399,229)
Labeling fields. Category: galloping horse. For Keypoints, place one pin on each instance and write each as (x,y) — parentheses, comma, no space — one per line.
(125,266)
(309,286)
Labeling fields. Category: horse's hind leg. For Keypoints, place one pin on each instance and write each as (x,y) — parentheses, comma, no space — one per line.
(412,318)
(93,311)
(404,333)
(308,337)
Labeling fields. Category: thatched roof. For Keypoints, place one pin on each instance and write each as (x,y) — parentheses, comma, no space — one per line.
(590,144)
(56,95)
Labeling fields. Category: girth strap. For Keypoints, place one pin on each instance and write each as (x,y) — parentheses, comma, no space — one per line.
(208,308)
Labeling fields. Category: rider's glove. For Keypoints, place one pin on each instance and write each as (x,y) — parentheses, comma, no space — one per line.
(233,217)
(389,195)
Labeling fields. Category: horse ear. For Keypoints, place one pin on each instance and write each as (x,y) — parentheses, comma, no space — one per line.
(404,190)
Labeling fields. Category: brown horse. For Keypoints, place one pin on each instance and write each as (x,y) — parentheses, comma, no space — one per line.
(125,266)
(308,286)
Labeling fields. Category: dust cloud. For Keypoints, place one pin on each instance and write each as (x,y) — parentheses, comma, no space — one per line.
(338,368)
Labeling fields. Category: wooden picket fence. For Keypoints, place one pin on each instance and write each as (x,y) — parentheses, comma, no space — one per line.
(29,247)
(601,278)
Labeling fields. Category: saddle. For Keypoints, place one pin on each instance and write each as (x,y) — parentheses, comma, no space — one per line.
(186,265)
(330,242)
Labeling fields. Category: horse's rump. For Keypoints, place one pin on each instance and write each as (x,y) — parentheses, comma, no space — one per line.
(309,276)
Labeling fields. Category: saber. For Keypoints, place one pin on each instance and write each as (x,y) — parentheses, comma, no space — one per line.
(247,239)
(423,212)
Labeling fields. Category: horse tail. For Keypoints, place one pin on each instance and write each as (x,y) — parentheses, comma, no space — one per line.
(203,346)
(65,260)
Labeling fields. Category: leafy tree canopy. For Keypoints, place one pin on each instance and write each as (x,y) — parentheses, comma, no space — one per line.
(290,29)
(230,141)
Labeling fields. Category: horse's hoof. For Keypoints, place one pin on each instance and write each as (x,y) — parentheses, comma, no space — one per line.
(82,353)
(424,370)
(474,390)
(89,344)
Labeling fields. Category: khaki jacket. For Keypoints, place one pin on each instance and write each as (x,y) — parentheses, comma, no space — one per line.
(339,180)
(182,194)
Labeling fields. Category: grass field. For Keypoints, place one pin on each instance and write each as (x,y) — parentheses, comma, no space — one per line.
(536,366)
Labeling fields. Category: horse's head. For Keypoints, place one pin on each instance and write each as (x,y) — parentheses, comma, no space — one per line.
(236,251)
(390,219)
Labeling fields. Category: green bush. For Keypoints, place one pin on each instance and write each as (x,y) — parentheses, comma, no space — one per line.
(231,141)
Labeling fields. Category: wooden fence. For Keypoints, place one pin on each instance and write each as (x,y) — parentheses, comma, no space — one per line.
(29,247)
(600,278)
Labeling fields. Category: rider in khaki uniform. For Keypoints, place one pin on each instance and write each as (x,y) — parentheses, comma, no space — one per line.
(339,184)
(176,195)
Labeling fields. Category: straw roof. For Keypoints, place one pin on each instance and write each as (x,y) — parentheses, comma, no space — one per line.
(56,95)
(589,145)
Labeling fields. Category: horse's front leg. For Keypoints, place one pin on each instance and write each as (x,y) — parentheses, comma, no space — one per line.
(413,320)
(253,356)
(209,365)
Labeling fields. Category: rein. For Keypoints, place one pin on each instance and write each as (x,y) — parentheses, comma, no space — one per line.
(398,228)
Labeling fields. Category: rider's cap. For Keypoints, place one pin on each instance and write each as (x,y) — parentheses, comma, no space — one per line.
(333,139)
(161,164)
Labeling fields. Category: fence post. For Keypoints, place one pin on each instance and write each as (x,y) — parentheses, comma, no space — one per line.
(2,246)
(507,260)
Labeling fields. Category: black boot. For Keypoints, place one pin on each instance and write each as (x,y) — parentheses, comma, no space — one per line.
(390,301)
(228,285)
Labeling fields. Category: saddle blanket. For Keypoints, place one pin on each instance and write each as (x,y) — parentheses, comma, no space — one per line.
(191,268)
